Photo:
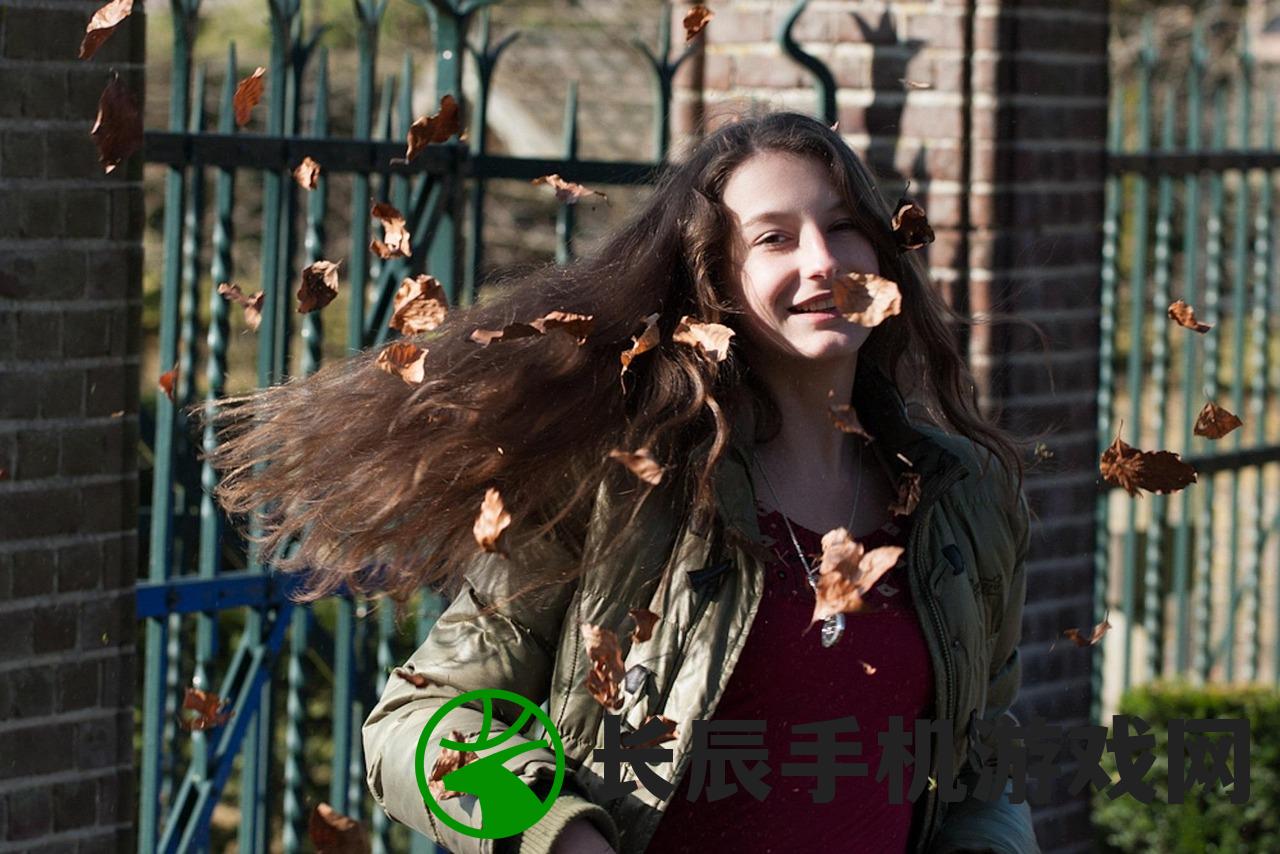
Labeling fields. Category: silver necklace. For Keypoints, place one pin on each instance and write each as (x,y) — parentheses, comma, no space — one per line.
(833,626)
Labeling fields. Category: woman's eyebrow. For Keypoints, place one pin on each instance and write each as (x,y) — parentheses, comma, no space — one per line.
(777,215)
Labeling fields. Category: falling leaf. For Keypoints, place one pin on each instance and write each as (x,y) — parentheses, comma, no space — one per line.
(908,494)
(669,733)
(640,463)
(1185,315)
(1214,422)
(492,520)
(712,339)
(695,20)
(103,24)
(252,305)
(867,668)
(393,230)
(1078,637)
(417,680)
(567,191)
(1042,452)
(331,832)
(914,84)
(168,379)
(866,299)
(119,413)
(248,94)
(118,129)
(578,326)
(835,126)
(210,710)
(644,619)
(845,417)
(319,286)
(449,760)
(420,306)
(642,343)
(1155,471)
(428,129)
(848,572)
(404,360)
(307,173)
(911,226)
(605,679)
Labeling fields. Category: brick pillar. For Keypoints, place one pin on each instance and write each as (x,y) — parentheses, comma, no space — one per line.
(70,297)
(1005,150)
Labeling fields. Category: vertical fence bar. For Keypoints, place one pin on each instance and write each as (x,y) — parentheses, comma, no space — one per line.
(369,13)
(1153,605)
(1113,203)
(565,217)
(1137,324)
(1190,364)
(449,29)
(184,14)
(1239,309)
(1213,287)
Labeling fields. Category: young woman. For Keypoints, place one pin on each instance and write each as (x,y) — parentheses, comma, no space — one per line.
(755,231)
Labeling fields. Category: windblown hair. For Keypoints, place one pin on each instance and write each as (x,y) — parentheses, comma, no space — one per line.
(378,483)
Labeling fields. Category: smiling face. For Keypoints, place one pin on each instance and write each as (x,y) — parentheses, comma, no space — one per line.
(792,235)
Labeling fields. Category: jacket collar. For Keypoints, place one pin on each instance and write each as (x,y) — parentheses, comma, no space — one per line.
(899,447)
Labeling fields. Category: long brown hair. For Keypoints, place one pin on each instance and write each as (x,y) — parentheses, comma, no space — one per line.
(379,482)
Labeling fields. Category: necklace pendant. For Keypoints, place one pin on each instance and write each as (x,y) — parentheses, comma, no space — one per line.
(832,629)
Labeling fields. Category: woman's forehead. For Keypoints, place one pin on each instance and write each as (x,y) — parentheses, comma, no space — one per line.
(776,184)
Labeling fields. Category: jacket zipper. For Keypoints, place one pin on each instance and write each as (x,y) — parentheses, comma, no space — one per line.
(933,800)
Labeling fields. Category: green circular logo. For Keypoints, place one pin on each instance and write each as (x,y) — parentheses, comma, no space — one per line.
(507,805)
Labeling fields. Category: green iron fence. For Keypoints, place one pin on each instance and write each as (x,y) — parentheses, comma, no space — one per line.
(299,681)
(1190,578)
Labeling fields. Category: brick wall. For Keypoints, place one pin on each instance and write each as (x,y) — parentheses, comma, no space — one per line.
(70,267)
(1006,151)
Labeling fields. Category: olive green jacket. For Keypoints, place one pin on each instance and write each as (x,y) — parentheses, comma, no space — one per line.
(966,566)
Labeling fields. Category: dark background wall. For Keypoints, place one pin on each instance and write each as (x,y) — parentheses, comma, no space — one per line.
(70,267)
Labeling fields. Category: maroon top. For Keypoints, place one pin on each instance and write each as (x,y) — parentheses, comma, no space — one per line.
(880,667)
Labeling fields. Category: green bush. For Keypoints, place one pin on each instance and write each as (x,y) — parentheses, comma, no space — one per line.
(1207,820)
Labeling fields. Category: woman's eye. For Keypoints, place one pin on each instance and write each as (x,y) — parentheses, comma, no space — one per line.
(772,237)
(844,224)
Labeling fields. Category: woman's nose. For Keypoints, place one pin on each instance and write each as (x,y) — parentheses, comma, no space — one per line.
(819,262)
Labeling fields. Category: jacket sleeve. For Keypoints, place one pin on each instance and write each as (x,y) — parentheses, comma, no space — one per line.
(975,824)
(512,649)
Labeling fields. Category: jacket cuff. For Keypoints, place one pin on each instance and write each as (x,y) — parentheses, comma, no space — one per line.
(539,838)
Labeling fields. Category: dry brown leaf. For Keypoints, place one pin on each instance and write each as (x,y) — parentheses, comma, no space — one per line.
(644,619)
(331,832)
(420,306)
(434,128)
(848,572)
(670,735)
(712,339)
(1214,422)
(908,494)
(210,710)
(1042,452)
(567,191)
(117,131)
(248,94)
(642,343)
(1185,315)
(168,380)
(640,463)
(845,418)
(307,173)
(867,668)
(914,84)
(695,20)
(448,761)
(319,286)
(911,226)
(393,229)
(866,299)
(252,305)
(103,24)
(491,522)
(417,680)
(605,679)
(405,360)
(577,326)
(1079,638)
(1155,471)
